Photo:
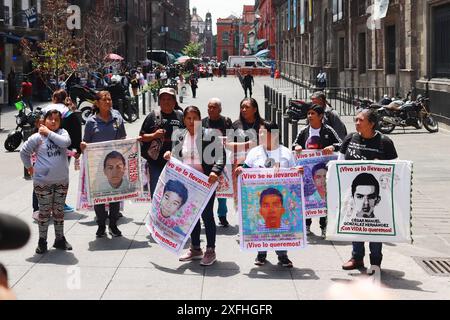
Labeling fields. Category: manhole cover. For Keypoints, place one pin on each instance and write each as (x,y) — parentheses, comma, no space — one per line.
(435,266)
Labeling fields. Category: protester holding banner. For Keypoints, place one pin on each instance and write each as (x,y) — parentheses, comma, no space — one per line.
(50,176)
(105,125)
(317,135)
(156,133)
(221,123)
(366,144)
(270,154)
(246,133)
(197,148)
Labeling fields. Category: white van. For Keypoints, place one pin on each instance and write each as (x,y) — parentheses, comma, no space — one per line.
(246,61)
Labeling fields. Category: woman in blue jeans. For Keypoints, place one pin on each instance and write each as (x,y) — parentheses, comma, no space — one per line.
(366,144)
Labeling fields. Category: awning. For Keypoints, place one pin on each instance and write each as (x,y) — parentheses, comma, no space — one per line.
(260,42)
(10,38)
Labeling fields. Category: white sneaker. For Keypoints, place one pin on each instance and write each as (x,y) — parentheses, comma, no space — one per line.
(324,233)
(36,215)
(308,230)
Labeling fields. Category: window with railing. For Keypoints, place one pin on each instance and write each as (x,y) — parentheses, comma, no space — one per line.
(225,37)
(362,56)
(362,7)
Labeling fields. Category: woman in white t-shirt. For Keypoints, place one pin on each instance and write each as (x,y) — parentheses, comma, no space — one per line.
(270,154)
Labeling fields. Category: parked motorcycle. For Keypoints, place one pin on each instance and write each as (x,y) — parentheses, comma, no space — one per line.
(25,121)
(405,113)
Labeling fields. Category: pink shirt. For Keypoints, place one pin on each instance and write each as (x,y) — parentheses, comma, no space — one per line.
(190,153)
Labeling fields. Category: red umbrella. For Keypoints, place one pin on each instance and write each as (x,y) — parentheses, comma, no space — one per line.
(113,56)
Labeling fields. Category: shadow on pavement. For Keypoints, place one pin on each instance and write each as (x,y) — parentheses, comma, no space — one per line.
(192,266)
(271,271)
(54,256)
(74,216)
(391,279)
(106,244)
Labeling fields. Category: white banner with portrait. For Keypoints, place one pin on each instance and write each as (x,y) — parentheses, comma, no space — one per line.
(113,171)
(225,187)
(145,196)
(369,201)
(181,195)
(315,167)
(271,207)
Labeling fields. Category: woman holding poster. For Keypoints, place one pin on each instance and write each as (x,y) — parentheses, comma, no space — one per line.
(207,155)
(366,144)
(317,135)
(105,125)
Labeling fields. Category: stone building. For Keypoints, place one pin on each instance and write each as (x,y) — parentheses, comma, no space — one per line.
(201,32)
(407,48)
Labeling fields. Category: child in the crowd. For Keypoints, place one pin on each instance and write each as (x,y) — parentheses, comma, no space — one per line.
(50,176)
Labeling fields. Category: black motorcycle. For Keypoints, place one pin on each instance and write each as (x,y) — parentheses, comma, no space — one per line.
(84,95)
(25,121)
(406,113)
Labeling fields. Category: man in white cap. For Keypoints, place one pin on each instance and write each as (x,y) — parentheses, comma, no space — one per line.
(156,133)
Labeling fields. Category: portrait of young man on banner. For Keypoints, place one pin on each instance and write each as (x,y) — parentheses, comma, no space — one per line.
(369,201)
(113,171)
(314,179)
(225,187)
(180,197)
(271,209)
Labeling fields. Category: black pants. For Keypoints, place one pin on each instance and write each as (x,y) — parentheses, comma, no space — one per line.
(100,212)
(210,226)
(194,91)
(248,88)
(323,222)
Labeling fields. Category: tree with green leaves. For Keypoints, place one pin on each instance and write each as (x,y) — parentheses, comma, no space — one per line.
(193,50)
(59,53)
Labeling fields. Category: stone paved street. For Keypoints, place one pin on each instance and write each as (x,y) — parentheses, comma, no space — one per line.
(135,267)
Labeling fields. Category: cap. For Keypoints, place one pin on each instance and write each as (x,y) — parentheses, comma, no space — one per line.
(170,91)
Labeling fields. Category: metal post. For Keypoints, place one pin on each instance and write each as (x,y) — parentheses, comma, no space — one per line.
(294,129)
(143,103)
(274,108)
(285,124)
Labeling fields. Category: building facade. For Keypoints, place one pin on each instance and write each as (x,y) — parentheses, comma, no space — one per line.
(266,26)
(18,18)
(406,49)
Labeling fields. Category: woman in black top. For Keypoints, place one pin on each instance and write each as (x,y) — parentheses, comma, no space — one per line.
(246,134)
(366,144)
(317,135)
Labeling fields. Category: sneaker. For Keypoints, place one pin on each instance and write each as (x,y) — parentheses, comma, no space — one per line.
(68,209)
(36,215)
(62,244)
(285,262)
(308,230)
(114,231)
(101,232)
(223,222)
(192,254)
(120,215)
(260,259)
(324,233)
(209,257)
(42,246)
